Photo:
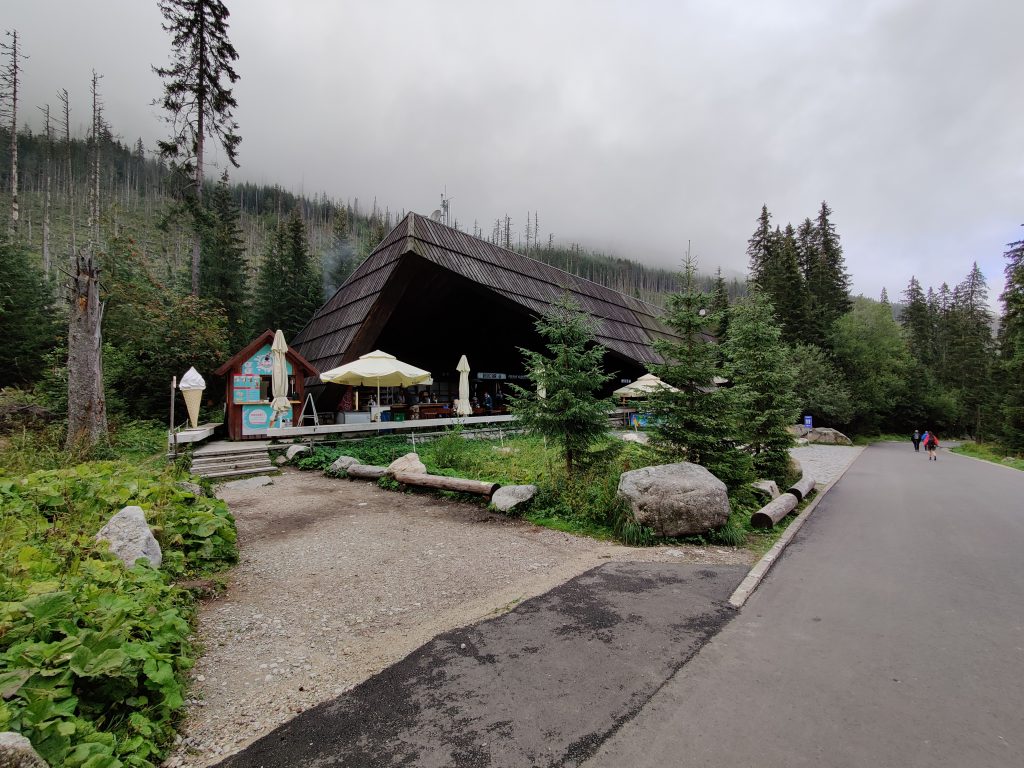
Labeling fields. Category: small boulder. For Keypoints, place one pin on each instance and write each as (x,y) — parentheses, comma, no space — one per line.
(508,497)
(676,499)
(16,752)
(295,450)
(129,537)
(194,488)
(341,464)
(767,489)
(409,463)
(635,437)
(281,460)
(828,436)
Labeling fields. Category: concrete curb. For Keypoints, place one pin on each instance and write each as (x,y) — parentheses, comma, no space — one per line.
(760,570)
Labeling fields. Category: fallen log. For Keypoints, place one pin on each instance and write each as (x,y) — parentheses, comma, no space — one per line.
(440,482)
(365,471)
(802,488)
(775,510)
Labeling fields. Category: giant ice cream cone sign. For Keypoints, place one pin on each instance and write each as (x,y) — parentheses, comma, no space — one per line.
(192,386)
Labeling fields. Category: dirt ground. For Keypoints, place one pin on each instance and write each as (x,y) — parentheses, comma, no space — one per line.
(339,579)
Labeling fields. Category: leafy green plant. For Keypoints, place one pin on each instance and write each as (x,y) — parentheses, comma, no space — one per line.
(450,450)
(389,483)
(93,655)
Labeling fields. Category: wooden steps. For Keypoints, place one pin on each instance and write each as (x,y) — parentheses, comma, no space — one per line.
(232,460)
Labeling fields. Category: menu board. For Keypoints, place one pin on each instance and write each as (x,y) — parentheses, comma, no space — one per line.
(245,388)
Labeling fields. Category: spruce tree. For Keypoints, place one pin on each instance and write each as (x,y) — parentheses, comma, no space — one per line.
(197,98)
(761,249)
(698,419)
(917,324)
(224,269)
(720,307)
(808,260)
(269,296)
(571,374)
(971,352)
(26,321)
(762,384)
(1011,349)
(305,283)
(788,292)
(827,280)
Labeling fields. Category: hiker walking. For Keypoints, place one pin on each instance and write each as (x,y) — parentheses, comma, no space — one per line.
(916,440)
(931,442)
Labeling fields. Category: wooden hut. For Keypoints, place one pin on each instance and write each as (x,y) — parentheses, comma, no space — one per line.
(430,293)
(248,389)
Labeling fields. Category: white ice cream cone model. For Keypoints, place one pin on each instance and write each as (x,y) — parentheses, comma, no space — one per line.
(193,399)
(192,387)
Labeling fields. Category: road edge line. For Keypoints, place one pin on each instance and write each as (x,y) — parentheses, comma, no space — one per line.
(761,568)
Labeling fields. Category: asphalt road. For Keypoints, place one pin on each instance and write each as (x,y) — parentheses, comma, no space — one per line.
(891,633)
(543,685)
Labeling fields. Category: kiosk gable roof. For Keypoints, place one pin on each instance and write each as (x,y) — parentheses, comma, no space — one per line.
(625,325)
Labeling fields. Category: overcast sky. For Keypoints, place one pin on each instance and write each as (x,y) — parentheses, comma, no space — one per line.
(632,127)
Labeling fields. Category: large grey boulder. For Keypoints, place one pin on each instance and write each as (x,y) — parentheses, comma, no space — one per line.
(676,499)
(410,463)
(129,537)
(16,752)
(828,436)
(341,464)
(508,497)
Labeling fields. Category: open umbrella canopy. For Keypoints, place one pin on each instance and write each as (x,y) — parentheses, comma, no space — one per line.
(377,368)
(645,385)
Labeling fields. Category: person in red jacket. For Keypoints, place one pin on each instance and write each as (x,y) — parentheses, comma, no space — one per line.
(931,442)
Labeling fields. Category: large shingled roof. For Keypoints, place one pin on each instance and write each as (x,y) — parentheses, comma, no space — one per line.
(625,325)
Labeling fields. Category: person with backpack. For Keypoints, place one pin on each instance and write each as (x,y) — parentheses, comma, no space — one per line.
(931,443)
(916,440)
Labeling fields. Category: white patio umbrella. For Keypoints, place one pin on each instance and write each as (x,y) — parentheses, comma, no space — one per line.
(465,408)
(645,385)
(279,376)
(377,368)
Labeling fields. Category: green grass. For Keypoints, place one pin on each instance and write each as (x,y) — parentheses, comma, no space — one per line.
(990,452)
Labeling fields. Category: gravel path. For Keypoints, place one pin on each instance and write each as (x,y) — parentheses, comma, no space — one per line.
(339,579)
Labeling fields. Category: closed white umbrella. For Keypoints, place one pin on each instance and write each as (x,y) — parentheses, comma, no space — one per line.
(465,408)
(377,368)
(279,376)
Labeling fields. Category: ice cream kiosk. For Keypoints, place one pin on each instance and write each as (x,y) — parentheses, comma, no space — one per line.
(249,392)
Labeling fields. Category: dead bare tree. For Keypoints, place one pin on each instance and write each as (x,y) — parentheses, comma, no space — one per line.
(47,183)
(96,135)
(9,76)
(87,405)
(69,188)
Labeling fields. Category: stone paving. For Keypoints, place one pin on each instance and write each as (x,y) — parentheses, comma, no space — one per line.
(825,463)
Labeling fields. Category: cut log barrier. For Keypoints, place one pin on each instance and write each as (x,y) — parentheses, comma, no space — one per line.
(775,510)
(443,483)
(366,471)
(802,488)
